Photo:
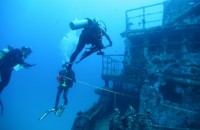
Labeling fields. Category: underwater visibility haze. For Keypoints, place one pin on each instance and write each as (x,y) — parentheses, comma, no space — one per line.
(43,25)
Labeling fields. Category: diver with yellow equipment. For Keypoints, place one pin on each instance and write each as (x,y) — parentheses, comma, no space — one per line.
(65,79)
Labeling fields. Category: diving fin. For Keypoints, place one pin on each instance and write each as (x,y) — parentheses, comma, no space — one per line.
(60,110)
(46,113)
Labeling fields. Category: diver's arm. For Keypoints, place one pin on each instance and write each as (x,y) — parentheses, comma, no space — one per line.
(22,65)
(10,48)
(27,66)
(73,76)
(107,36)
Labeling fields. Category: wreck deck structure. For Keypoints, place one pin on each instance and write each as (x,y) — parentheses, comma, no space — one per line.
(155,84)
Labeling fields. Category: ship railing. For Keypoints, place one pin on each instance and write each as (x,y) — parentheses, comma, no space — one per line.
(144,17)
(112,65)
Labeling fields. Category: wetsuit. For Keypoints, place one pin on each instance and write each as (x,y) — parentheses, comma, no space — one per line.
(92,34)
(11,59)
(64,84)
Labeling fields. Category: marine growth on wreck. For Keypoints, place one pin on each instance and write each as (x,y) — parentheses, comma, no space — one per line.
(155,84)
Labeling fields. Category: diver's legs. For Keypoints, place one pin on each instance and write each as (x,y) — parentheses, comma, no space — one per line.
(65,96)
(77,51)
(99,45)
(5,78)
(79,48)
(60,89)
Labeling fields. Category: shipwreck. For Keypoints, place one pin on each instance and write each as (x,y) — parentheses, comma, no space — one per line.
(155,84)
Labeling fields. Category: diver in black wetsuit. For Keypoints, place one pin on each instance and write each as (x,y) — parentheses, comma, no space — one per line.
(91,34)
(11,59)
(65,79)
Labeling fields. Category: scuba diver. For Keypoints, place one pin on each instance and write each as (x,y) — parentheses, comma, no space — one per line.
(91,34)
(11,59)
(65,79)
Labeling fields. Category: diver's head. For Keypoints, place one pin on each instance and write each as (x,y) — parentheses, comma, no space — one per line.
(95,20)
(26,51)
(80,113)
(103,25)
(67,66)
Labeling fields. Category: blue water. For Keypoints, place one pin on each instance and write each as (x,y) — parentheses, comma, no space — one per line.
(41,25)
